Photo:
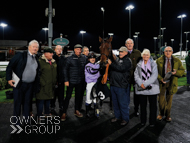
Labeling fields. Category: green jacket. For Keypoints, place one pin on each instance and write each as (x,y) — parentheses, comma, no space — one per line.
(176,64)
(135,57)
(187,60)
(48,78)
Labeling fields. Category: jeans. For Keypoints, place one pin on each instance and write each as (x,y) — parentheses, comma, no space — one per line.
(40,104)
(120,103)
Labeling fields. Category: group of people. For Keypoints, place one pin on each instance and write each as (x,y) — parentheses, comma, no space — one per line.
(47,75)
(152,81)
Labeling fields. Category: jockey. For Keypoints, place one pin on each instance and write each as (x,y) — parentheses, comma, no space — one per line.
(91,76)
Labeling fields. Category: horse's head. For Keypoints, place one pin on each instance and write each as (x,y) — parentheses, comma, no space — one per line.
(105,49)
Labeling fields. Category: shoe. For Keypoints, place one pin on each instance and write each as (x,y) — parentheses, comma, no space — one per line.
(49,115)
(31,114)
(78,114)
(123,122)
(136,114)
(63,117)
(159,117)
(114,120)
(97,113)
(151,125)
(168,119)
(88,111)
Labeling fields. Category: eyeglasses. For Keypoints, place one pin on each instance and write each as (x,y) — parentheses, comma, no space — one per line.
(168,51)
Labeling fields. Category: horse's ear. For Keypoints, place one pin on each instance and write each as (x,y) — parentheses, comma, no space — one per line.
(100,39)
(110,39)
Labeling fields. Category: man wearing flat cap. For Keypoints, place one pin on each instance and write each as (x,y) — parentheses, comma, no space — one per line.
(48,79)
(119,81)
(74,78)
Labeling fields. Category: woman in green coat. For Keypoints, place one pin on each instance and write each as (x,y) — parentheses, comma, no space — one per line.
(48,74)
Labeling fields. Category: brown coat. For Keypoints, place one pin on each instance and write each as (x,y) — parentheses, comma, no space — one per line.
(135,57)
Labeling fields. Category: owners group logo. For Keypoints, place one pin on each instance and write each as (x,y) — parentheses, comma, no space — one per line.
(41,125)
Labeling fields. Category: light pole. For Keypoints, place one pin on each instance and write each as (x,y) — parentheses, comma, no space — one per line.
(155,45)
(3,25)
(82,32)
(162,35)
(186,45)
(129,8)
(186,39)
(172,40)
(137,33)
(160,25)
(111,34)
(181,44)
(102,9)
(45,29)
(135,37)
(159,44)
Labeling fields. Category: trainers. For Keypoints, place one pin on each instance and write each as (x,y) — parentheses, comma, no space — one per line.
(168,119)
(78,114)
(63,117)
(123,122)
(114,120)
(159,117)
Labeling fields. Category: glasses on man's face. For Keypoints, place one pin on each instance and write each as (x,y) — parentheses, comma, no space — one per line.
(168,51)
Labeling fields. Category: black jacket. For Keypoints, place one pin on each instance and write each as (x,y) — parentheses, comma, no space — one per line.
(60,61)
(74,69)
(17,64)
(120,72)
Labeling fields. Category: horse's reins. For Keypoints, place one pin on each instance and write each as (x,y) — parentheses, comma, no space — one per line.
(105,76)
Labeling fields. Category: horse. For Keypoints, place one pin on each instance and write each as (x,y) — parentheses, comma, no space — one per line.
(100,89)
(106,53)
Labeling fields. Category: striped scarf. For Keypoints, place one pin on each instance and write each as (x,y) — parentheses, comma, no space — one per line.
(146,71)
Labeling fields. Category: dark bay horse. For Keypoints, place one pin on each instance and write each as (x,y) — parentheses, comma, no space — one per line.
(106,53)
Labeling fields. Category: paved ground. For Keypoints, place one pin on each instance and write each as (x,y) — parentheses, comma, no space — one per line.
(83,130)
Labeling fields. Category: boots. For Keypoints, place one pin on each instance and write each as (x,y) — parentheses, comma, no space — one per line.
(88,111)
(96,111)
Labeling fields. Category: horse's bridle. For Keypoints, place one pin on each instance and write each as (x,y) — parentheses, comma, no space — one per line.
(109,48)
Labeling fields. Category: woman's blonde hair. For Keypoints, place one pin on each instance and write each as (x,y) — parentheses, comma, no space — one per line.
(145,51)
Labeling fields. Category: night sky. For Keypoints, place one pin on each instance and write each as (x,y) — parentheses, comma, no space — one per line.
(26,19)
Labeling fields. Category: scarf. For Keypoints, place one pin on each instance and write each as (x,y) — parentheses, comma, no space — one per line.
(146,71)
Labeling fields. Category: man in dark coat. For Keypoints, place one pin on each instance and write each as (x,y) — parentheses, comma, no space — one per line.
(24,66)
(135,56)
(60,86)
(74,78)
(119,82)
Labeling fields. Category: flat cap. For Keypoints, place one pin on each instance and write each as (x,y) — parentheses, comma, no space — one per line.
(123,49)
(48,50)
(77,46)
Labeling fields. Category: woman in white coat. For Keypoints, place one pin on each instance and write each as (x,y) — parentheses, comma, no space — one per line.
(147,86)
